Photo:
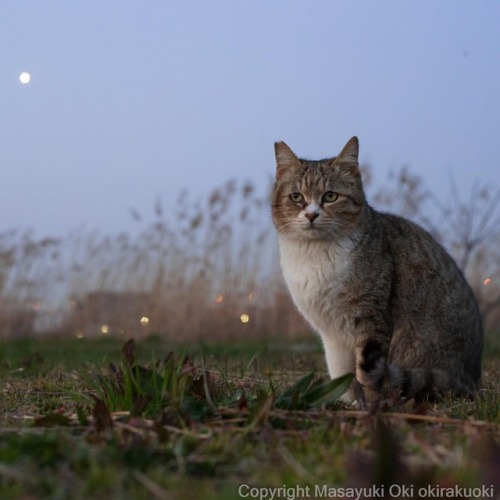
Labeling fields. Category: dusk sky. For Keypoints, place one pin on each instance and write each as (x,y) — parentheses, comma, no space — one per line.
(131,102)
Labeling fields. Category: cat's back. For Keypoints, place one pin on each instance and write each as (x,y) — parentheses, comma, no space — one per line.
(431,302)
(420,263)
(424,276)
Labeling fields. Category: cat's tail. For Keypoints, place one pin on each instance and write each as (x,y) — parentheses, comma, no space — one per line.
(418,383)
(426,383)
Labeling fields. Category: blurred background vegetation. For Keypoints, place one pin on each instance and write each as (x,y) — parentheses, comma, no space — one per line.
(210,270)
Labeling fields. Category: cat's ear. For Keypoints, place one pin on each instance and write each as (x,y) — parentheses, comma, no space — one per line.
(349,155)
(285,158)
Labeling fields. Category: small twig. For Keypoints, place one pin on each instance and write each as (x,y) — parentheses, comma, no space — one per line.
(198,435)
(361,414)
(297,467)
(156,490)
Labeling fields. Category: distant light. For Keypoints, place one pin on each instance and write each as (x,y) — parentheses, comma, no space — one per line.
(219,299)
(144,321)
(104,329)
(487,281)
(79,335)
(244,318)
(24,78)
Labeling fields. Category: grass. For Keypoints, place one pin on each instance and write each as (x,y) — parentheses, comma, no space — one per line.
(84,418)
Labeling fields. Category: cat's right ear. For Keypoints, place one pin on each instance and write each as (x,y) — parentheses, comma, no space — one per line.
(285,158)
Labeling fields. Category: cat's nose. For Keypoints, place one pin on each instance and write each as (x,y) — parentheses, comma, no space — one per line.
(312,216)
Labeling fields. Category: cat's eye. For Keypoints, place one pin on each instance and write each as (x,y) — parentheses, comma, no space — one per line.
(330,197)
(296,197)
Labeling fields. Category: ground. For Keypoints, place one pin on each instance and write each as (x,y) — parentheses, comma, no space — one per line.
(102,418)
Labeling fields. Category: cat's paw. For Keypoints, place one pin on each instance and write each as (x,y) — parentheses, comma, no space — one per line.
(347,400)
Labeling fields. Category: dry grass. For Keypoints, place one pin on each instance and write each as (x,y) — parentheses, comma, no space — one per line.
(209,269)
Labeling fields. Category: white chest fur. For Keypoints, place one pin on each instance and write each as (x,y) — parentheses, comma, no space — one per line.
(315,272)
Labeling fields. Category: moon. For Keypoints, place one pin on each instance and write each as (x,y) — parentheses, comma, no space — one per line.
(24,78)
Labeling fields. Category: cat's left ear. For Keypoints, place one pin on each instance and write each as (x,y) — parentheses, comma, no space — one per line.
(285,158)
(349,155)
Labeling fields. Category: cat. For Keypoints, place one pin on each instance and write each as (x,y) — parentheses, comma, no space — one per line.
(390,304)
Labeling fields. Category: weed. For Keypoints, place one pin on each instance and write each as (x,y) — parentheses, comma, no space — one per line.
(177,426)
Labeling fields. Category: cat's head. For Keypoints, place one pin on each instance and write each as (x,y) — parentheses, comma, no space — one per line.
(317,200)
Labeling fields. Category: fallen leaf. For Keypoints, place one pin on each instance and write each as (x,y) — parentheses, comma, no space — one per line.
(102,415)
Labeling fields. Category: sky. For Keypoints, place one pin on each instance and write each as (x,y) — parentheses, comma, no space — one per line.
(131,102)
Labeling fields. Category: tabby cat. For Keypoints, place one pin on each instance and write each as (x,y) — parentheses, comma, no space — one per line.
(389,303)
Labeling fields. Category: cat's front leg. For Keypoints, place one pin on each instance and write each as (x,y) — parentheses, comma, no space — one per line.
(340,360)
